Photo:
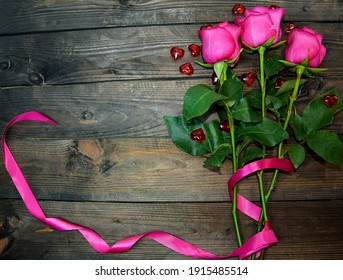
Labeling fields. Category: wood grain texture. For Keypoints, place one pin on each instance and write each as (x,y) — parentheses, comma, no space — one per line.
(55,15)
(144,170)
(122,54)
(117,109)
(305,229)
(103,71)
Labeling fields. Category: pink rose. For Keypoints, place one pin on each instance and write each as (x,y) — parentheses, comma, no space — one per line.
(304,43)
(260,25)
(220,43)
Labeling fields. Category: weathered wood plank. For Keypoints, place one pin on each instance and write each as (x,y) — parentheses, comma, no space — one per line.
(148,170)
(54,15)
(103,71)
(306,230)
(121,54)
(116,109)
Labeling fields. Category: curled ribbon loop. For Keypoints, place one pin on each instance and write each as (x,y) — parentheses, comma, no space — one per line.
(259,241)
(243,204)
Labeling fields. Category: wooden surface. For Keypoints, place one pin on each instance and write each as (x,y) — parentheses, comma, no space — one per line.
(102,70)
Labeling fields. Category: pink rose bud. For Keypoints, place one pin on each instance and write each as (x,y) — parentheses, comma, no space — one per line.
(302,44)
(220,43)
(260,25)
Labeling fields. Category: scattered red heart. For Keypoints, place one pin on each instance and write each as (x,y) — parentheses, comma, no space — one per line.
(248,78)
(186,69)
(224,125)
(176,53)
(238,9)
(278,83)
(330,100)
(290,26)
(194,49)
(198,135)
(214,79)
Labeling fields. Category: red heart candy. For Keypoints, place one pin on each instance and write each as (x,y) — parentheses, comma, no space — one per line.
(289,27)
(176,53)
(214,79)
(278,83)
(186,69)
(224,125)
(194,49)
(248,78)
(330,100)
(206,26)
(238,9)
(198,135)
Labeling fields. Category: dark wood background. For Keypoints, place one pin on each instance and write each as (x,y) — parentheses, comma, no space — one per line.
(102,70)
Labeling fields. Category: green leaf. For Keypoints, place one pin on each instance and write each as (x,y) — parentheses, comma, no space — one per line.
(306,61)
(205,65)
(220,69)
(218,156)
(270,85)
(316,70)
(231,75)
(269,43)
(317,115)
(277,102)
(233,90)
(198,99)
(296,123)
(327,145)
(242,111)
(179,131)
(289,85)
(250,153)
(232,61)
(214,136)
(280,43)
(267,132)
(288,64)
(254,98)
(296,154)
(272,65)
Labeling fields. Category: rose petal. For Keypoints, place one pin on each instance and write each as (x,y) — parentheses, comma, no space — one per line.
(303,44)
(259,10)
(236,32)
(220,43)
(307,29)
(258,29)
(316,61)
(217,44)
(276,16)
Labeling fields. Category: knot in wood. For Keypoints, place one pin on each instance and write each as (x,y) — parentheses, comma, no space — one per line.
(306,8)
(92,149)
(5,65)
(36,78)
(87,115)
(127,2)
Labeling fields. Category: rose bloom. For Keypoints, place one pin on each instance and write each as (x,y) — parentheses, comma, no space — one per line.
(304,43)
(260,25)
(220,43)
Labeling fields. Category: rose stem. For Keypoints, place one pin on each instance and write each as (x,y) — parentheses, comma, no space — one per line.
(261,52)
(234,169)
(263,215)
(299,71)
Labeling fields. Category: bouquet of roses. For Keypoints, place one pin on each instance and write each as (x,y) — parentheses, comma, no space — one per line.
(251,128)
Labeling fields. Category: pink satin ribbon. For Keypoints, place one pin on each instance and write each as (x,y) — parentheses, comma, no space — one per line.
(259,241)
